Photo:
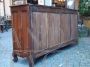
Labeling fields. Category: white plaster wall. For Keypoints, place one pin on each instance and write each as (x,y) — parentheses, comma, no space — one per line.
(7,8)
(1,9)
(71,4)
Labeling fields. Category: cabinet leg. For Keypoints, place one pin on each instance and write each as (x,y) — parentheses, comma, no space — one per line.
(1,28)
(31,61)
(15,58)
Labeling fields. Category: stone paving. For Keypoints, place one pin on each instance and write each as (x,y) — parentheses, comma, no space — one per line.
(71,56)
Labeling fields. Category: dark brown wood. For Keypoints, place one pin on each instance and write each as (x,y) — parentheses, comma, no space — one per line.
(38,30)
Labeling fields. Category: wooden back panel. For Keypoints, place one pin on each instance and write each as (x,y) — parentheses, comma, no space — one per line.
(74,31)
(65,28)
(51,29)
(45,31)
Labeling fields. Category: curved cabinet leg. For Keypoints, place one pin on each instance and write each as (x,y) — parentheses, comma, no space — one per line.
(15,58)
(31,61)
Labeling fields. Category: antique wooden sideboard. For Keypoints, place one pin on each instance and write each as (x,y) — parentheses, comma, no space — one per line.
(38,30)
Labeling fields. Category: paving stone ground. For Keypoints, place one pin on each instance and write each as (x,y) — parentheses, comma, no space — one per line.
(71,56)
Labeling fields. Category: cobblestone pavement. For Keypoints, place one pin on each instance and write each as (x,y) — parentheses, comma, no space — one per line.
(71,56)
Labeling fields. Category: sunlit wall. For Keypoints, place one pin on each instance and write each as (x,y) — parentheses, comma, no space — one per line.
(7,8)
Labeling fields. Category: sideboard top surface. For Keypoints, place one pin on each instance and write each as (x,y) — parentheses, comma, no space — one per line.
(50,9)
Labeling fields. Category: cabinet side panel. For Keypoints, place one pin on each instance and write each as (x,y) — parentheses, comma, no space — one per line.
(24,29)
(20,22)
(16,30)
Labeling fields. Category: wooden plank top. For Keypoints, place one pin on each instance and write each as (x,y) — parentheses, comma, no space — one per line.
(50,9)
